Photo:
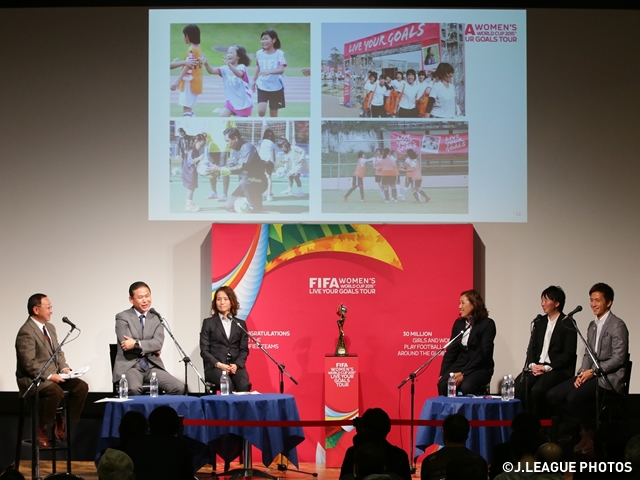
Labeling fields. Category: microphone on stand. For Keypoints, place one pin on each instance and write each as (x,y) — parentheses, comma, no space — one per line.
(573,320)
(234,319)
(574,311)
(70,323)
(153,310)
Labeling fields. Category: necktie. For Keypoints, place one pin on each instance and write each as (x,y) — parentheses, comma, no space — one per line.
(144,363)
(46,335)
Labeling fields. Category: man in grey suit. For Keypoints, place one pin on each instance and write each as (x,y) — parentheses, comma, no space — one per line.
(608,337)
(35,343)
(140,338)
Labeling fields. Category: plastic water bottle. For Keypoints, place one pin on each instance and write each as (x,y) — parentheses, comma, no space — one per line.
(451,385)
(123,387)
(512,388)
(154,385)
(224,383)
(504,391)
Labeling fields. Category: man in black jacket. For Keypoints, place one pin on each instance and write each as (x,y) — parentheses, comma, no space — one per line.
(374,427)
(551,357)
(246,162)
(455,431)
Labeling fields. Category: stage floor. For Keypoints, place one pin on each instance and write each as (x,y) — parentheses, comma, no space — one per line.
(87,470)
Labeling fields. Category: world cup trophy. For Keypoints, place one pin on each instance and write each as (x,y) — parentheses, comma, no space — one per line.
(341,349)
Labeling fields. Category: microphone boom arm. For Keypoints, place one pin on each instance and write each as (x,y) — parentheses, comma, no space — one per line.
(280,365)
(598,369)
(433,357)
(185,357)
(412,377)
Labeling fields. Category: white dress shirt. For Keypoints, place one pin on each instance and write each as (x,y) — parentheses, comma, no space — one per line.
(599,324)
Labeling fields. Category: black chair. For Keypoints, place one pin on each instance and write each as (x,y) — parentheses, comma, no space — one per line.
(113,351)
(55,447)
(614,405)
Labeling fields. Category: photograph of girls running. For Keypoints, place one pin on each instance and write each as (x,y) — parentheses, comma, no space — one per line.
(240,70)
(236,82)
(268,78)
(413,167)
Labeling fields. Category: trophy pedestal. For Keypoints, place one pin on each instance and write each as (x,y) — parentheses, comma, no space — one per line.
(341,401)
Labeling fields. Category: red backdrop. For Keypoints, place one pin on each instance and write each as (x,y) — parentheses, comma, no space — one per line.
(400,283)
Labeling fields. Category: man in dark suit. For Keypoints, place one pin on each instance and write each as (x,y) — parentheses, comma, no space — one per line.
(246,162)
(608,337)
(162,455)
(35,343)
(374,426)
(140,338)
(551,357)
(224,346)
(455,431)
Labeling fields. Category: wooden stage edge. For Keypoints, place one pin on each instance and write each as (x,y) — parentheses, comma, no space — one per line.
(87,470)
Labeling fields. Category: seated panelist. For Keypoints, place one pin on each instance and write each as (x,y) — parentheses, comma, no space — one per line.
(36,341)
(608,338)
(224,346)
(140,338)
(551,357)
(470,357)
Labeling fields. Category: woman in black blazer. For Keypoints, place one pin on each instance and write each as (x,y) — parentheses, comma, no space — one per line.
(224,346)
(470,357)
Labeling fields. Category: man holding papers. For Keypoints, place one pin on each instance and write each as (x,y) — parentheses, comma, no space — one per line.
(35,343)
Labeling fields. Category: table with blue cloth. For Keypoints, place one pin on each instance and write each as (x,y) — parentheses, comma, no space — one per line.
(188,407)
(481,439)
(227,441)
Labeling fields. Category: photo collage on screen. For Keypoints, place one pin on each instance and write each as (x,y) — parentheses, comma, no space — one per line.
(394,129)
(313,117)
(240,104)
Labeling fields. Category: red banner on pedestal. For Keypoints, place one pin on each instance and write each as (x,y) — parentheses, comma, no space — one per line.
(341,402)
